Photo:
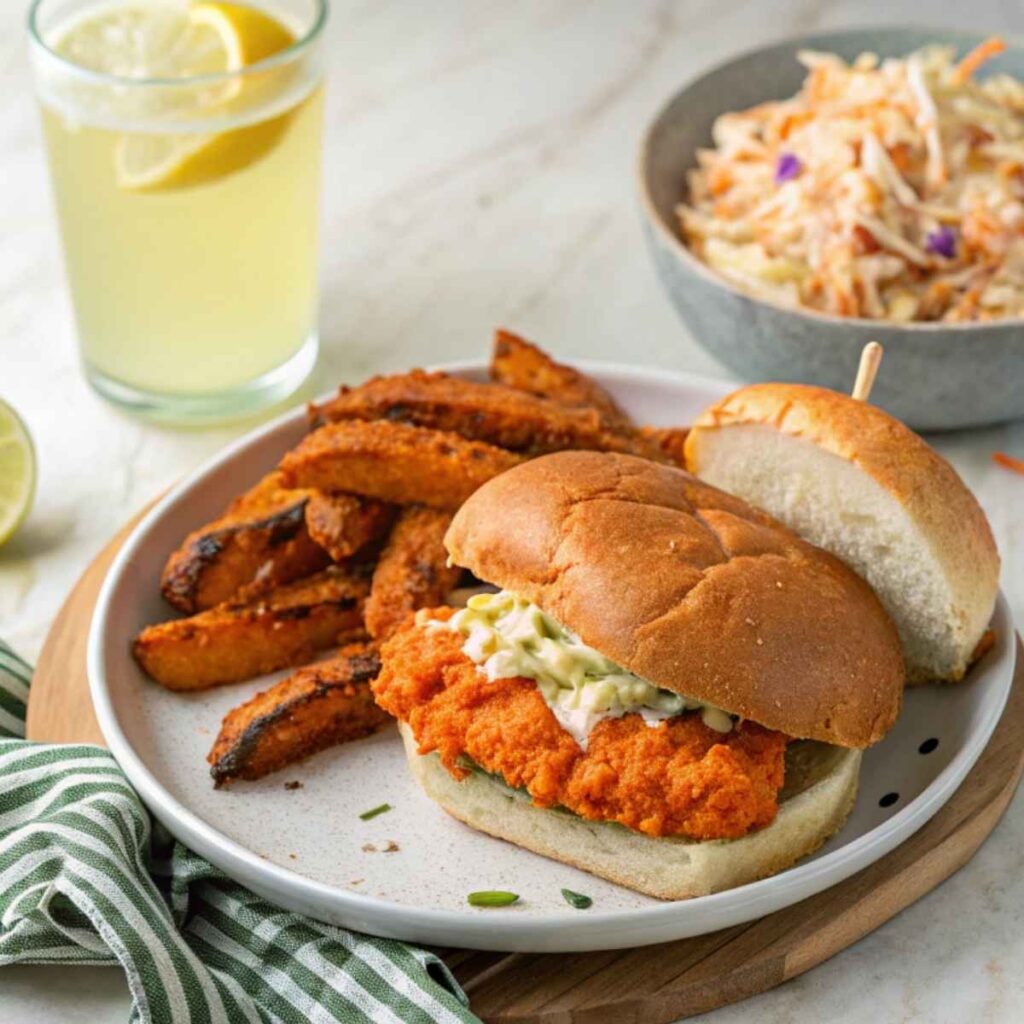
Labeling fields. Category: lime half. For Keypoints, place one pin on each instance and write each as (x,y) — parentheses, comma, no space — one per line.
(17,471)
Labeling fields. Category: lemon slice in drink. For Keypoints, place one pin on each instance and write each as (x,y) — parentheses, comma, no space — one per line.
(205,37)
(247,34)
(146,162)
(159,163)
(153,41)
(17,471)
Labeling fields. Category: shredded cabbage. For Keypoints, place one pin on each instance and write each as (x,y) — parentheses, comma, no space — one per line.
(886,189)
(508,636)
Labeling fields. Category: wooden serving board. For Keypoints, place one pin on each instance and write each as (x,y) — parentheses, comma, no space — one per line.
(654,984)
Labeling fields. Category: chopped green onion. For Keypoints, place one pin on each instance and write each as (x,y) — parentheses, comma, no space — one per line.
(491,898)
(374,811)
(576,899)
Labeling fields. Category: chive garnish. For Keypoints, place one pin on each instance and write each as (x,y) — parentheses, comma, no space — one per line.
(491,898)
(576,899)
(374,811)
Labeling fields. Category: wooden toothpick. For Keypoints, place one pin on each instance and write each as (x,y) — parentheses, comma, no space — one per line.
(870,358)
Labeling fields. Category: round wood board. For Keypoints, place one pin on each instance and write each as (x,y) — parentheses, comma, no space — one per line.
(654,984)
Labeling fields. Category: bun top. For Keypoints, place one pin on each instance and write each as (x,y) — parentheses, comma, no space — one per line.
(930,555)
(883,447)
(690,588)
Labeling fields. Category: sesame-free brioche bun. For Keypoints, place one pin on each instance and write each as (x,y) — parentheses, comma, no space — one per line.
(690,588)
(852,479)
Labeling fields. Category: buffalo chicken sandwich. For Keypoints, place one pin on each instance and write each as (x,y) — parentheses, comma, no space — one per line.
(669,689)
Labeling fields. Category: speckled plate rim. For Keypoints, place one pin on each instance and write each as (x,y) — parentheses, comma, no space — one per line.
(806,40)
(595,930)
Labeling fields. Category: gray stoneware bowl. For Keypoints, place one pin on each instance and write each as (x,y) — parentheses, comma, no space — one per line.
(934,376)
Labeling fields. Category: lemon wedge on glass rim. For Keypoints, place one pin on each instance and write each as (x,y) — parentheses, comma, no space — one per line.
(246,35)
(205,37)
(17,471)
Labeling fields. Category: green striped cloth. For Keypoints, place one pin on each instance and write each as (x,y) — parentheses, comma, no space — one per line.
(87,878)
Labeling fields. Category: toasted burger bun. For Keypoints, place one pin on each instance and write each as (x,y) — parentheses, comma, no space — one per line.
(821,784)
(848,477)
(690,588)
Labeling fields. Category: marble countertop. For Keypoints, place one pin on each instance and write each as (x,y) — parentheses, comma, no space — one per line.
(479,163)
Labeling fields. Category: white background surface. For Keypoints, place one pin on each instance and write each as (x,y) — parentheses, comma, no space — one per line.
(478,171)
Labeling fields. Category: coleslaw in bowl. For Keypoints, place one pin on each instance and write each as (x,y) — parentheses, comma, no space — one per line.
(889,189)
(939,373)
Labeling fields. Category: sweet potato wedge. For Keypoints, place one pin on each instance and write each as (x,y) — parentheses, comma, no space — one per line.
(262,630)
(517,363)
(316,707)
(491,413)
(412,572)
(343,524)
(261,534)
(671,440)
(394,462)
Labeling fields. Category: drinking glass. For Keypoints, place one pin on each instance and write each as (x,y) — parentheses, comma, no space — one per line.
(187,190)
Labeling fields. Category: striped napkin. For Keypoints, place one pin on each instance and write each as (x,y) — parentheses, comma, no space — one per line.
(87,878)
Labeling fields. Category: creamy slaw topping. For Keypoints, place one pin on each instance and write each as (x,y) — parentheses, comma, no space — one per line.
(508,637)
(886,189)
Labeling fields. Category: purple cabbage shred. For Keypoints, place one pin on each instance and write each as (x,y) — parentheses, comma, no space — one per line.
(787,167)
(942,242)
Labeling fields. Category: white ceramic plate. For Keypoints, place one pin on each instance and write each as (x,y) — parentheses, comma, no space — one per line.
(306,848)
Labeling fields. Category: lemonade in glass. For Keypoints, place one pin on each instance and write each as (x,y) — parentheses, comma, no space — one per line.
(184,143)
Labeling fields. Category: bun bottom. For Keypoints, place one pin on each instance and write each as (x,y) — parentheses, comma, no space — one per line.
(820,788)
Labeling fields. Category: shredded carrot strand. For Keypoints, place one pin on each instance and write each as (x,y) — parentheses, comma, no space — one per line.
(992,47)
(1008,462)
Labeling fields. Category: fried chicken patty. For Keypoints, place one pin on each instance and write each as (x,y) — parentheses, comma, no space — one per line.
(678,778)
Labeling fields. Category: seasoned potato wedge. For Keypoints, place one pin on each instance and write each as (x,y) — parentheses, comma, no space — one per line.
(394,462)
(262,630)
(517,363)
(670,440)
(412,572)
(343,524)
(315,707)
(491,413)
(261,534)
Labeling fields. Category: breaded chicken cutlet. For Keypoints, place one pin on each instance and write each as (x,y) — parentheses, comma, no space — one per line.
(679,778)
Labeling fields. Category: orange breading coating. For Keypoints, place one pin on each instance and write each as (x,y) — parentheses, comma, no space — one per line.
(394,462)
(343,524)
(262,533)
(319,706)
(671,441)
(412,572)
(517,363)
(679,778)
(492,413)
(261,630)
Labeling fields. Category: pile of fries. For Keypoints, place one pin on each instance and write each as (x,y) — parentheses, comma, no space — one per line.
(338,546)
